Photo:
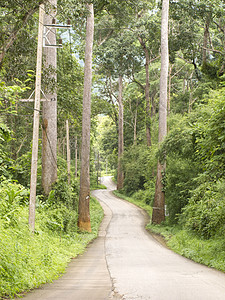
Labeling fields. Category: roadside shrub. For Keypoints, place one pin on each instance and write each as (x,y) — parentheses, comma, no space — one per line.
(12,196)
(180,174)
(138,164)
(57,218)
(182,166)
(60,208)
(147,195)
(205,212)
(65,194)
(5,161)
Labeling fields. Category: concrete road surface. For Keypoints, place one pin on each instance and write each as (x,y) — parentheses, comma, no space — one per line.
(125,262)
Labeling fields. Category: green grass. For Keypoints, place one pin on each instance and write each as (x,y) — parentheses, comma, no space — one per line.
(209,252)
(98,187)
(27,260)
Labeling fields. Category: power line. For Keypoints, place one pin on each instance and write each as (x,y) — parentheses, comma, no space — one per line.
(24,105)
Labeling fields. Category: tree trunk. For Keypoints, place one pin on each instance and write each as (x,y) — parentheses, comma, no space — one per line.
(159,201)
(147,97)
(49,114)
(68,150)
(147,92)
(169,90)
(135,124)
(63,148)
(205,41)
(120,174)
(76,157)
(84,197)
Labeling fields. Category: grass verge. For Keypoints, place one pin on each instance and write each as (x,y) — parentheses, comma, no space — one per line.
(27,260)
(141,204)
(209,252)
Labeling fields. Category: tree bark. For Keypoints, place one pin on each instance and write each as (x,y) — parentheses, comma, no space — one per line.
(159,200)
(120,174)
(135,124)
(68,151)
(147,93)
(169,90)
(205,41)
(84,222)
(49,113)
(76,157)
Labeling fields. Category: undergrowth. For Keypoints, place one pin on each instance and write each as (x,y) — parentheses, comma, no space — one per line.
(29,260)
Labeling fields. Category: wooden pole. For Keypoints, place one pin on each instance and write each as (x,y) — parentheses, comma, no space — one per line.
(34,161)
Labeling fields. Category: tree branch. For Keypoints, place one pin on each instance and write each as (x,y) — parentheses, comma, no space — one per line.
(12,37)
(213,50)
(105,39)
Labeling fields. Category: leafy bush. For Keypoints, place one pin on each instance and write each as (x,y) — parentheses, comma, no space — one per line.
(146,195)
(5,160)
(210,142)
(205,212)
(59,210)
(138,164)
(182,166)
(180,174)
(12,196)
(63,193)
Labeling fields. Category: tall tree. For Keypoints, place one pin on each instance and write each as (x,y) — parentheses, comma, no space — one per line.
(49,114)
(147,31)
(120,173)
(159,200)
(84,222)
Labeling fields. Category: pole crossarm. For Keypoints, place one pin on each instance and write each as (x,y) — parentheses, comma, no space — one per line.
(42,100)
(45,99)
(47,29)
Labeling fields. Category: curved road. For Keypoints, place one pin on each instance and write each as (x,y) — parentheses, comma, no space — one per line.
(125,262)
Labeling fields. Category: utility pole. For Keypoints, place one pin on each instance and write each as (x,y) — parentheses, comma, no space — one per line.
(68,150)
(34,161)
(50,101)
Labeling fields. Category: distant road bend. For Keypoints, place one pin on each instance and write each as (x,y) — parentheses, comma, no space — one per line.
(126,262)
